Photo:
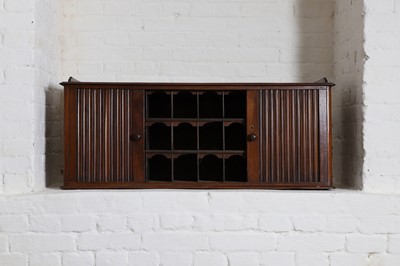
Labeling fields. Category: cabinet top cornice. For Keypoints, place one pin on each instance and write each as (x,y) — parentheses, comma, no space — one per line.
(164,84)
(320,84)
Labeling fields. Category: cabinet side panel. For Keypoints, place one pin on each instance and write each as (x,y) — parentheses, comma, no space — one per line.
(324,135)
(330,160)
(70,138)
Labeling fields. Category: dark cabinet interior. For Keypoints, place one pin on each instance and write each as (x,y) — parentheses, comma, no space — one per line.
(144,135)
(202,138)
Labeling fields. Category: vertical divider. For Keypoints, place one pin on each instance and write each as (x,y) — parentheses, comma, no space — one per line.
(283,132)
(79,133)
(106,133)
(223,136)
(198,137)
(315,139)
(298,135)
(83,136)
(128,134)
(294,135)
(87,136)
(306,145)
(265,146)
(304,137)
(223,125)
(91,134)
(115,138)
(146,135)
(288,135)
(84,140)
(96,135)
(111,136)
(123,134)
(122,130)
(285,136)
(147,139)
(310,134)
(197,154)
(172,136)
(272,130)
(147,167)
(278,135)
(118,137)
(172,166)
(99,132)
(262,146)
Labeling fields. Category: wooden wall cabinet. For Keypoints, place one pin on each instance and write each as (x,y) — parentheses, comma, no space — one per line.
(179,135)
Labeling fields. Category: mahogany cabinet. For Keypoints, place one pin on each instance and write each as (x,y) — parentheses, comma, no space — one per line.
(181,135)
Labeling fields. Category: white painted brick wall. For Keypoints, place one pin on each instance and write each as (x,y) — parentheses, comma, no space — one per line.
(78,259)
(308,242)
(14,259)
(244,258)
(365,244)
(45,224)
(394,244)
(306,259)
(199,41)
(348,66)
(110,258)
(16,96)
(43,260)
(239,241)
(113,223)
(176,258)
(212,259)
(278,258)
(14,224)
(37,243)
(24,244)
(47,95)
(30,57)
(345,259)
(77,223)
(381,130)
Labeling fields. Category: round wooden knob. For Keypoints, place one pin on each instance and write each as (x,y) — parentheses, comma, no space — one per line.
(136,137)
(251,137)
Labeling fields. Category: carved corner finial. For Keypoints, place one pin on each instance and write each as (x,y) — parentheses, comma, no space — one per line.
(71,79)
(323,80)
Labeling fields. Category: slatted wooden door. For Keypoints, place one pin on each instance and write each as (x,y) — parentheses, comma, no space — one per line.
(295,149)
(106,143)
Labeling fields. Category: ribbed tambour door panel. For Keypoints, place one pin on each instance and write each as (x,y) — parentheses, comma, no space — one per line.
(292,136)
(105,121)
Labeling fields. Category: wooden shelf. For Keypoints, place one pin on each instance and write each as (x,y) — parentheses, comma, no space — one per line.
(195,151)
